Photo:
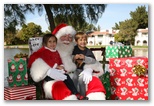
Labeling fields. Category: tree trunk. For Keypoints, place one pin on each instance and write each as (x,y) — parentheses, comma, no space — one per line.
(50,16)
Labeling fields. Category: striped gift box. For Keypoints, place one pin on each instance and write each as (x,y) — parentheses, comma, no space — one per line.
(20,93)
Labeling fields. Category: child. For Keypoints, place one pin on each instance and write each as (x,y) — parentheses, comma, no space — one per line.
(50,55)
(82,55)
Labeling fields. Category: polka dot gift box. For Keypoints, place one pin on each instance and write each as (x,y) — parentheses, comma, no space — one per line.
(118,51)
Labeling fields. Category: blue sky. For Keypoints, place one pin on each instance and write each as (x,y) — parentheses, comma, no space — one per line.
(114,13)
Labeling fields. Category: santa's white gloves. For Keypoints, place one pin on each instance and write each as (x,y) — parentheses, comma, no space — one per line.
(87,75)
(55,74)
(62,70)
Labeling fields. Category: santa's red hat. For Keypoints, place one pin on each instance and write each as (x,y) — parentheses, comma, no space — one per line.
(63,29)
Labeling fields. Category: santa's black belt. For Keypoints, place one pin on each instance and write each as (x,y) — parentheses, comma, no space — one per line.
(47,78)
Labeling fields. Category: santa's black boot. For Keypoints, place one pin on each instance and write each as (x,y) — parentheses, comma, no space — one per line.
(80,97)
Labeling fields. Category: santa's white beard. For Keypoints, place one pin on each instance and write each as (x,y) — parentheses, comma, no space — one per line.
(65,51)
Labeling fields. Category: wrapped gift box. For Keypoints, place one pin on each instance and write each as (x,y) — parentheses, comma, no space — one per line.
(18,75)
(125,83)
(20,93)
(105,78)
(118,51)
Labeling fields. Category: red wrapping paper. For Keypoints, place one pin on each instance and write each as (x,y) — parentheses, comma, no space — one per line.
(125,84)
(20,93)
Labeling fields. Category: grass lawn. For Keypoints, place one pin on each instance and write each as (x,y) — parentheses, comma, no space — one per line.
(95,46)
(139,46)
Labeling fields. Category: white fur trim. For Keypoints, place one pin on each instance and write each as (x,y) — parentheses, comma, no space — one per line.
(48,88)
(96,96)
(65,30)
(97,66)
(38,70)
(71,97)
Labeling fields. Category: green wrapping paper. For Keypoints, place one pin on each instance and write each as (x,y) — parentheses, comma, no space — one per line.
(118,51)
(18,75)
(105,78)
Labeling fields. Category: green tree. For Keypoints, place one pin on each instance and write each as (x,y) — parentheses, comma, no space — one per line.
(9,35)
(78,15)
(140,16)
(29,30)
(73,14)
(117,37)
(86,27)
(127,31)
(98,28)
(128,28)
(116,27)
(14,14)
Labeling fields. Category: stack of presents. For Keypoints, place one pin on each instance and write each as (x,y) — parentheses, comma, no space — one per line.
(20,84)
(18,87)
(128,74)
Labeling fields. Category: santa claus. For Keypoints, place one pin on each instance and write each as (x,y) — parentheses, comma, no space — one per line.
(56,89)
(94,88)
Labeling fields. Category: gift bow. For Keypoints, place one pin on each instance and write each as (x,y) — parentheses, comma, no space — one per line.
(139,70)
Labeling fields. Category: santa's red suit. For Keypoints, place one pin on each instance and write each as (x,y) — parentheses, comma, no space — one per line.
(95,89)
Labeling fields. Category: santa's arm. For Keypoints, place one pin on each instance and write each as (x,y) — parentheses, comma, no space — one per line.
(69,65)
(89,60)
(38,70)
(97,68)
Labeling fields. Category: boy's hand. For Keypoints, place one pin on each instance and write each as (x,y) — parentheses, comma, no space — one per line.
(77,56)
(81,56)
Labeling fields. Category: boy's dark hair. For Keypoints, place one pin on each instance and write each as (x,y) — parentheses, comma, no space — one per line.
(46,38)
(79,35)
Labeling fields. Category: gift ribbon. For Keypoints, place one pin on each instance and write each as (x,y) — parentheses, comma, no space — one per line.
(139,70)
(21,55)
